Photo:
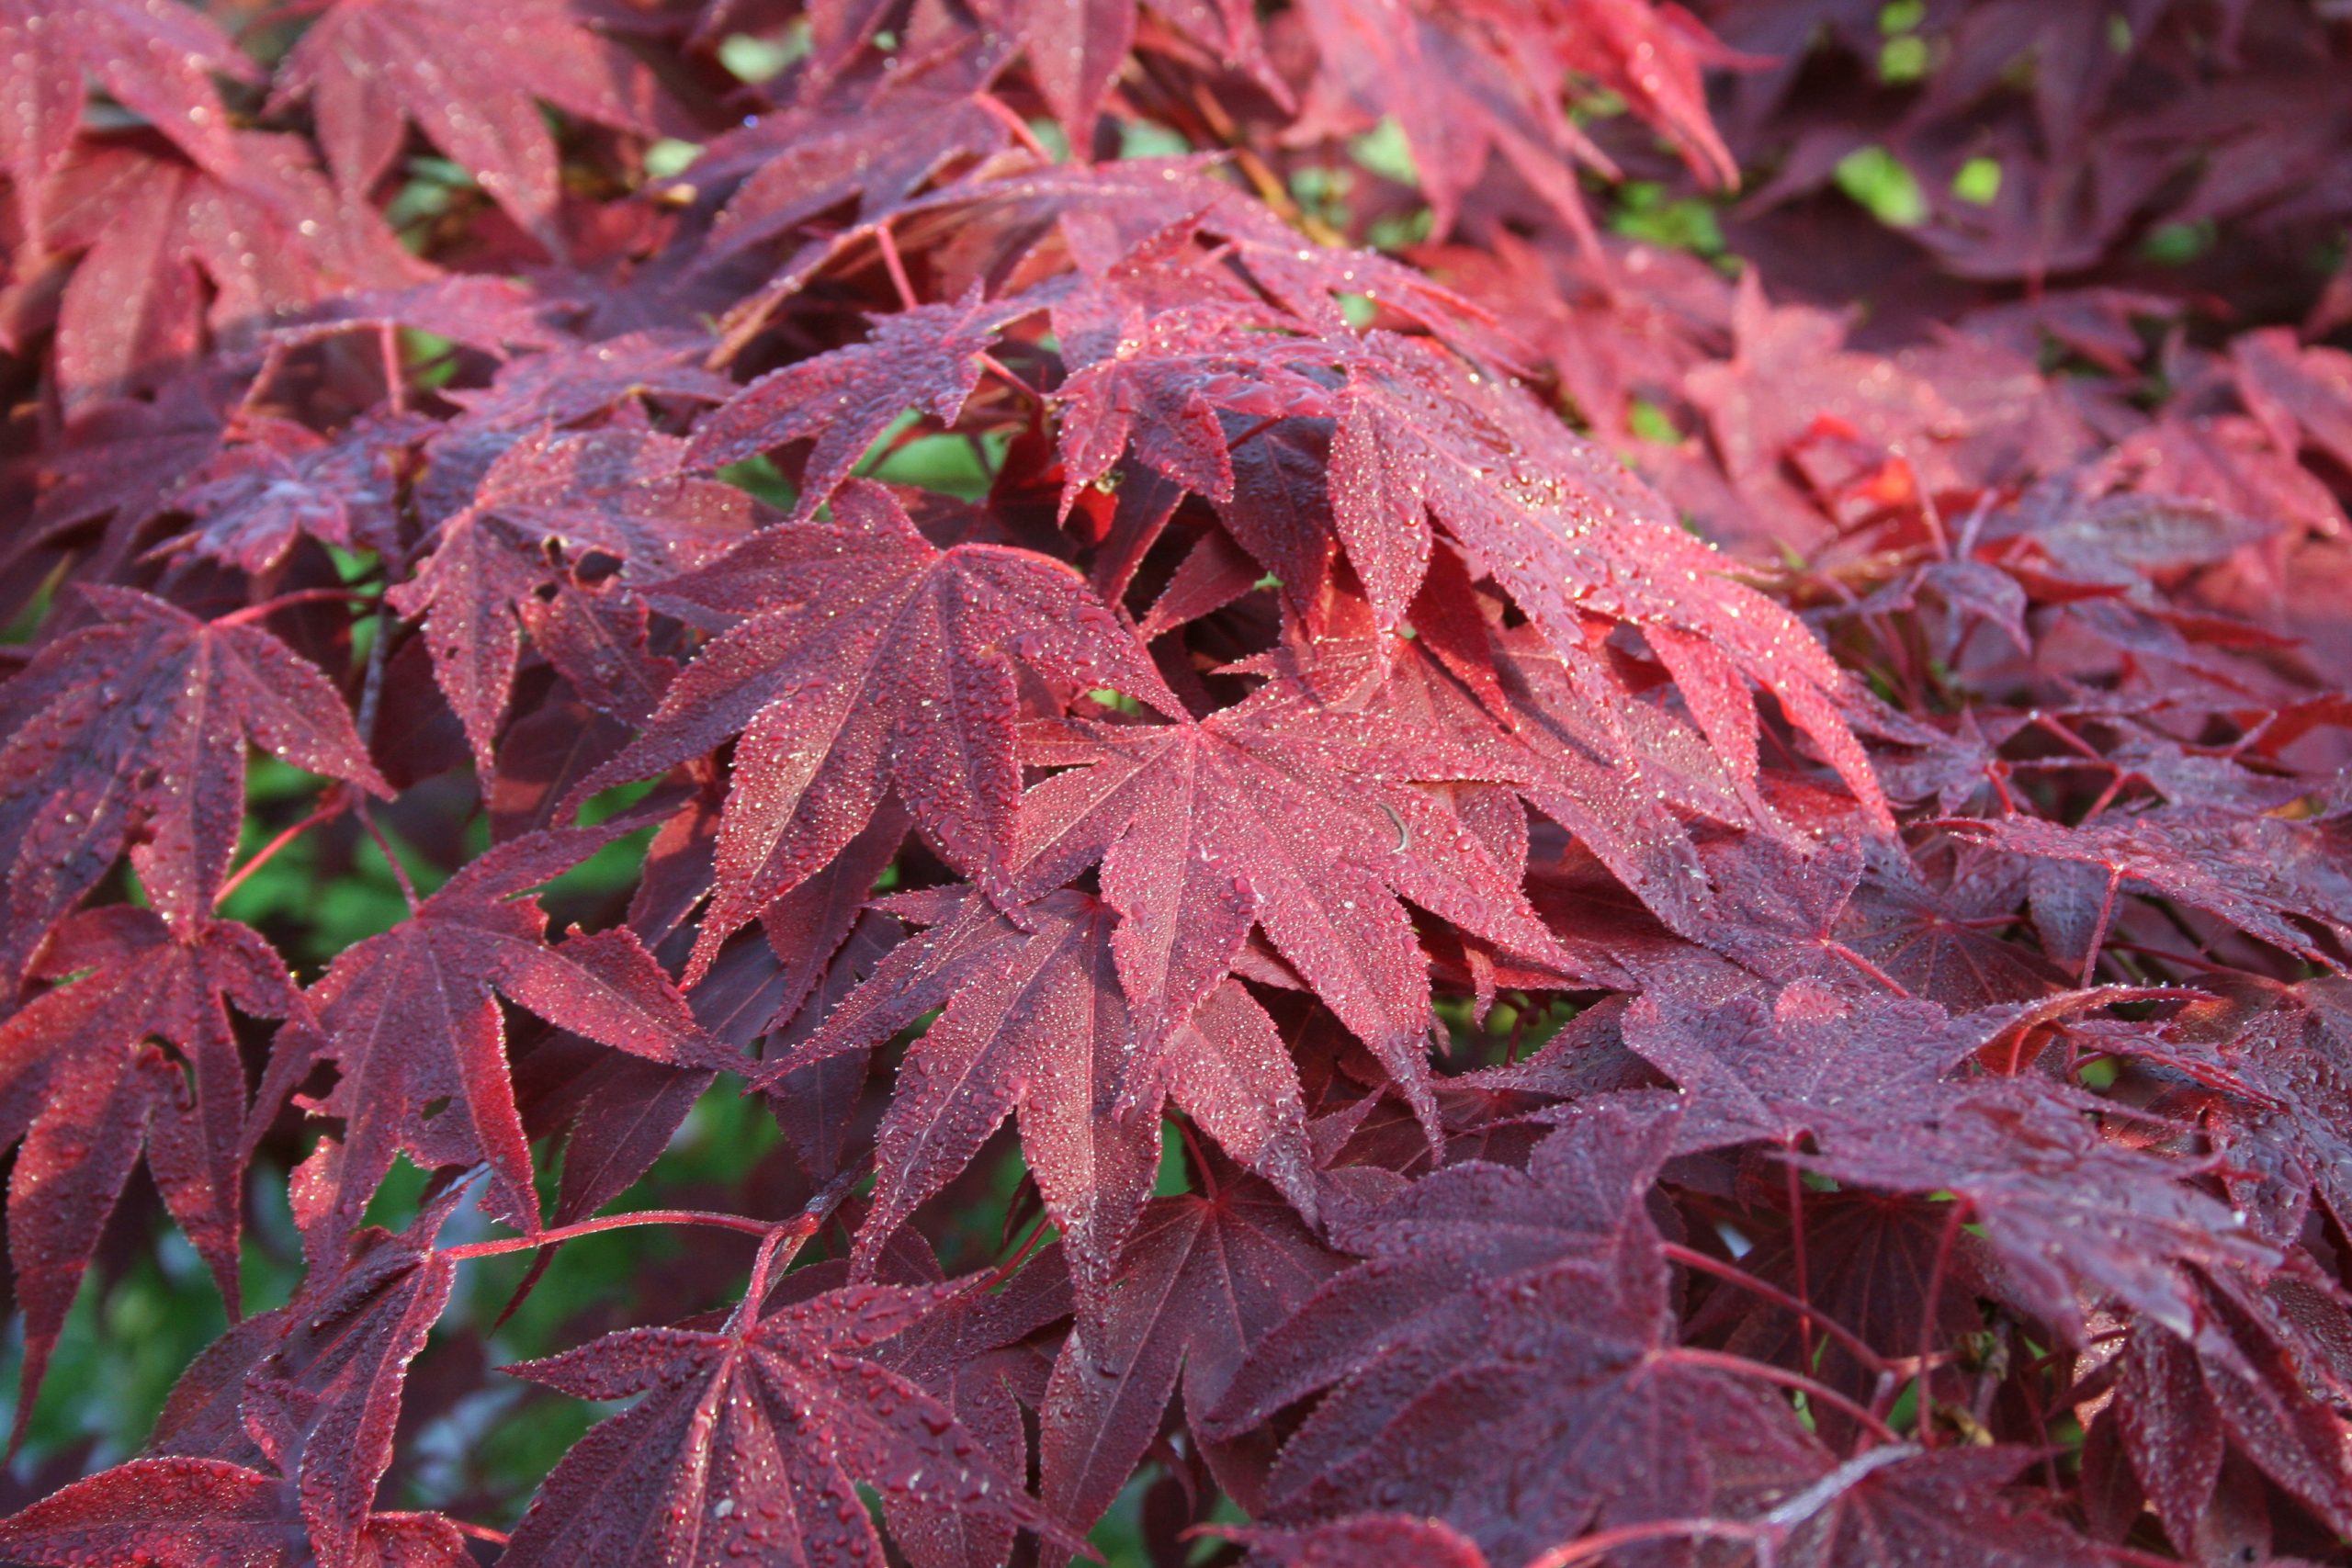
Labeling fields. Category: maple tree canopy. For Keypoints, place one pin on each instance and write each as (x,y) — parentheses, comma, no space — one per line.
(1325,783)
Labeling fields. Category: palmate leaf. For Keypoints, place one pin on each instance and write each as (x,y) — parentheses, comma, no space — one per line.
(866,659)
(1447,993)
(192,1513)
(1479,1275)
(157,60)
(1037,1022)
(133,729)
(1201,1281)
(82,1087)
(1421,445)
(410,1023)
(1273,816)
(1566,536)
(749,1440)
(173,253)
(257,496)
(971,1354)
(1466,82)
(624,492)
(312,1391)
(467,78)
(929,358)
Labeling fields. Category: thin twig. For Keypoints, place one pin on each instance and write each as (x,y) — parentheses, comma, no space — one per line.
(334,802)
(896,266)
(1690,1258)
(1593,1546)
(384,846)
(742,1224)
(1795,1184)
(1812,1388)
(287,601)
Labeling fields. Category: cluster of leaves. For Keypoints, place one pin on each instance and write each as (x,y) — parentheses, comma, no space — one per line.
(2152,147)
(1132,637)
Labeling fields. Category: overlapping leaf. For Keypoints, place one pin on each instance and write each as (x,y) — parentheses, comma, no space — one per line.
(750,1442)
(133,729)
(410,1023)
(867,659)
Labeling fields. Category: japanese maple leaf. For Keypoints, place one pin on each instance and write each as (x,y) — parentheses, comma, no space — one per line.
(2290,1141)
(619,1112)
(1201,1281)
(493,314)
(1299,821)
(1899,1506)
(2260,874)
(1567,535)
(2070,1215)
(929,358)
(566,381)
(2245,1385)
(1165,383)
(467,77)
(1870,1262)
(1790,373)
(82,1087)
(1419,438)
(2302,396)
(312,1390)
(869,660)
(1466,81)
(878,141)
(625,492)
(409,1021)
(1937,930)
(134,729)
(978,1355)
(120,458)
(2063,1208)
(195,1512)
(2171,1429)
(751,1442)
(1455,102)
(157,60)
(1806,1060)
(1036,1021)
(1619,772)
(1505,1321)
(153,229)
(1077,48)
(283,482)
(813,1105)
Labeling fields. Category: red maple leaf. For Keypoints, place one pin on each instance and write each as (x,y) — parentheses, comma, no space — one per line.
(82,1087)
(929,358)
(155,60)
(1201,1281)
(279,482)
(751,1440)
(409,1021)
(196,1513)
(624,492)
(1479,1276)
(1300,820)
(868,658)
(467,78)
(133,730)
(1037,1021)
(312,1391)
(152,230)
